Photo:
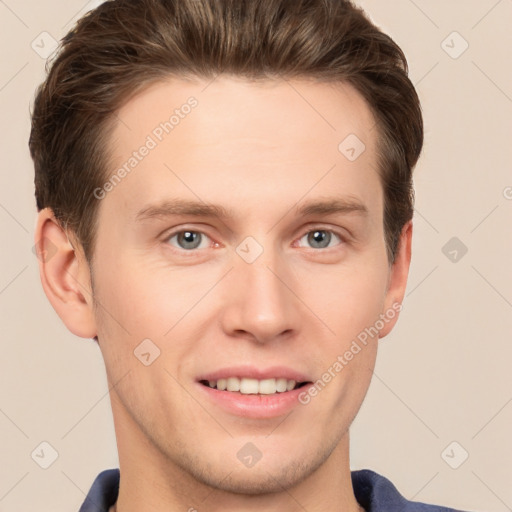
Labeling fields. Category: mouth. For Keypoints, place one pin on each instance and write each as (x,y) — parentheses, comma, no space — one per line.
(254,393)
(251,386)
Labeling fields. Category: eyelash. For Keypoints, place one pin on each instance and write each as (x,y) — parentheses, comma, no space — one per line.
(341,238)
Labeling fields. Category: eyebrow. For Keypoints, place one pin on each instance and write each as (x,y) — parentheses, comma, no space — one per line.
(182,207)
(332,206)
(172,207)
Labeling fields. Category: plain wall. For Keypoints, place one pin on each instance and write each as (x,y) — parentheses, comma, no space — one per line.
(442,376)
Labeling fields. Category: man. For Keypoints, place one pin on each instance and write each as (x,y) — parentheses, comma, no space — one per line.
(227,189)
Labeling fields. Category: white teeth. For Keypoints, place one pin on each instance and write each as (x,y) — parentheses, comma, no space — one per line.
(267,386)
(248,386)
(233,384)
(281,385)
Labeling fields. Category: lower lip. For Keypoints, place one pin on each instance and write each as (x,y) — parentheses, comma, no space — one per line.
(254,406)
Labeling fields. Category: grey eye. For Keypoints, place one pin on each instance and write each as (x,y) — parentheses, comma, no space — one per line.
(187,239)
(319,239)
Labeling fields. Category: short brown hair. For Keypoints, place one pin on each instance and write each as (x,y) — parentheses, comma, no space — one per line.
(124,45)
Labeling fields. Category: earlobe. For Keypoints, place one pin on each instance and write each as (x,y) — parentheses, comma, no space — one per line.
(64,275)
(397,282)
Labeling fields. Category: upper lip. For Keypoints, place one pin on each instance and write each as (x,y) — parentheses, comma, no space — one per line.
(252,372)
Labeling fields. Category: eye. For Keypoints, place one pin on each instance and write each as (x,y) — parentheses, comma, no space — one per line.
(321,238)
(188,240)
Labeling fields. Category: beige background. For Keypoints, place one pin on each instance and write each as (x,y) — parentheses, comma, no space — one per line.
(442,376)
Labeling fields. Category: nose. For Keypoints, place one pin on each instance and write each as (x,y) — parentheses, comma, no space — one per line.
(260,304)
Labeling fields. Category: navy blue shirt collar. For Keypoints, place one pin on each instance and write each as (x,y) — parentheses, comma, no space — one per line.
(374,493)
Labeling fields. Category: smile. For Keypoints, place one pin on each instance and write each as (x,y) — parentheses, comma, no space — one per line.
(250,386)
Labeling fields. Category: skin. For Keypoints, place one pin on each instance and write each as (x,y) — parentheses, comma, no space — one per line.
(260,150)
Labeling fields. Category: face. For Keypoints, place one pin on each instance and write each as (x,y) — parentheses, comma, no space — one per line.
(246,247)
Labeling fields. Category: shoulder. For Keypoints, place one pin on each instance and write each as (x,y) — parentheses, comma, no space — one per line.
(376,493)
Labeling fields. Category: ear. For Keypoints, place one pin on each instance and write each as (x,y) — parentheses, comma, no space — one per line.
(399,271)
(65,275)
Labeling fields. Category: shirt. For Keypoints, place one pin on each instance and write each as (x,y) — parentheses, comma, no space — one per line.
(374,493)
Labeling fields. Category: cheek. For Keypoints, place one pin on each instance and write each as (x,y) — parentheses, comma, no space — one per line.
(349,302)
(145,301)
(125,316)
(347,299)
(141,301)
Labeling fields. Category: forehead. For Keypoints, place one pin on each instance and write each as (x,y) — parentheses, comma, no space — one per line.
(242,108)
(263,140)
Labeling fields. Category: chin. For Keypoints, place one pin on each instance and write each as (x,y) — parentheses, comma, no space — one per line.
(258,480)
(275,471)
